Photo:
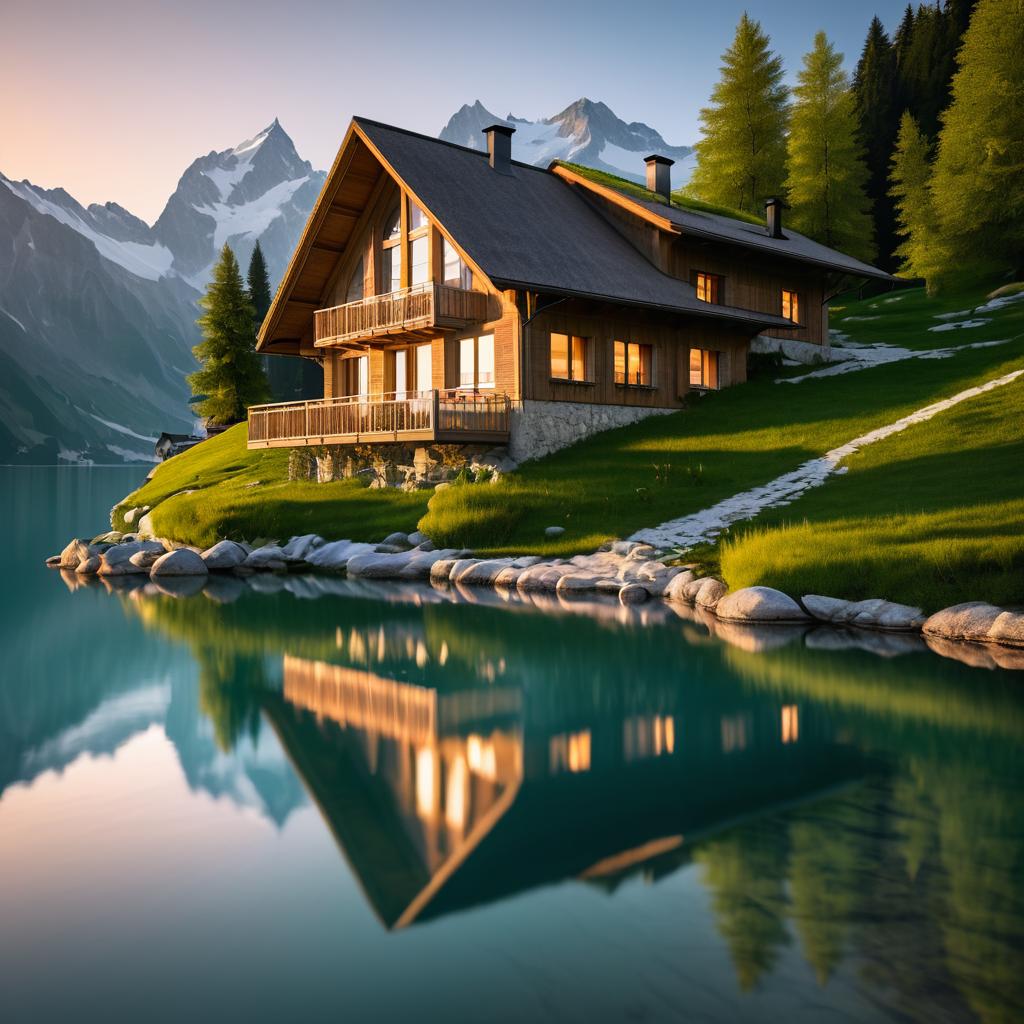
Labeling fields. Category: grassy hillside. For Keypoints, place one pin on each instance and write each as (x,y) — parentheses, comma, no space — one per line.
(666,467)
(246,494)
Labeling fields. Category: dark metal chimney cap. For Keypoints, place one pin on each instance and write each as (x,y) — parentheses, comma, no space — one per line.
(658,159)
(501,129)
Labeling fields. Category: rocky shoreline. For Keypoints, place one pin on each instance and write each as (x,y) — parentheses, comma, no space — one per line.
(629,571)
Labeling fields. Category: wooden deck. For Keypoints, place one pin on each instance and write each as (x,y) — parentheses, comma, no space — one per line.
(444,417)
(426,307)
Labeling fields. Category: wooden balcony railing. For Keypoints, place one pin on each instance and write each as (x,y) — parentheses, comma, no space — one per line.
(422,307)
(436,416)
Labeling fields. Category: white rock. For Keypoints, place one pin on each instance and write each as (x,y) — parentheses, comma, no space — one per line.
(691,589)
(972,620)
(711,591)
(259,557)
(577,583)
(399,541)
(441,570)
(482,573)
(759,604)
(421,563)
(827,609)
(899,617)
(1008,629)
(554,531)
(336,554)
(225,554)
(75,551)
(376,566)
(863,613)
(116,561)
(459,565)
(89,566)
(416,538)
(632,593)
(674,590)
(298,548)
(180,562)
(509,576)
(145,559)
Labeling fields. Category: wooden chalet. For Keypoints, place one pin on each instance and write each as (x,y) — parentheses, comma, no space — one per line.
(453,295)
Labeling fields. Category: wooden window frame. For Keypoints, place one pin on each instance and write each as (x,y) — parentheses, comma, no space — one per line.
(717,282)
(588,378)
(640,346)
(705,354)
(791,296)
(476,384)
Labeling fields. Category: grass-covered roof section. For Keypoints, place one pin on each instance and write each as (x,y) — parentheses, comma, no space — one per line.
(679,199)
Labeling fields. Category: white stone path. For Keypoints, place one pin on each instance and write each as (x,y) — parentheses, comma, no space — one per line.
(705,525)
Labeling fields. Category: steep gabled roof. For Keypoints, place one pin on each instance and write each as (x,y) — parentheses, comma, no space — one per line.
(525,230)
(718,227)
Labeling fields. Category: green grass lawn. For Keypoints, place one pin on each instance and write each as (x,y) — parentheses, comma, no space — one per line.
(665,467)
(931,517)
(246,494)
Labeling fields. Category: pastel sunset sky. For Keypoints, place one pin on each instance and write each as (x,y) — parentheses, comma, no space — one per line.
(112,99)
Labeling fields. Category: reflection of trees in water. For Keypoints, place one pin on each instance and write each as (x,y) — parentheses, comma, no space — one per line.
(915,875)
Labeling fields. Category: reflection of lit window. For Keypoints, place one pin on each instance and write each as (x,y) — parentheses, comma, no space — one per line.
(482,758)
(425,782)
(570,752)
(790,723)
(455,797)
(648,736)
(734,733)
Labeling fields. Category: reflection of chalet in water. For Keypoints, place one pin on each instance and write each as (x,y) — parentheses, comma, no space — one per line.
(443,797)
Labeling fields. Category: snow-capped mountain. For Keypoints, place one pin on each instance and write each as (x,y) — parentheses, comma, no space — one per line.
(585,132)
(98,309)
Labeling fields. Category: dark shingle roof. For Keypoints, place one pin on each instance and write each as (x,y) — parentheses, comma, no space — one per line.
(527,229)
(723,228)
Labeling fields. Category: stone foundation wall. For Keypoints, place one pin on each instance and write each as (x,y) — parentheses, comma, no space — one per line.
(540,428)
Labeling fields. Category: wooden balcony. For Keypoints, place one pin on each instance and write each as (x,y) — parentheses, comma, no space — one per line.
(436,417)
(424,308)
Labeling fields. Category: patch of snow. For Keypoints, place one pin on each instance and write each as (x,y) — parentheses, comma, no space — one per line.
(687,531)
(959,325)
(952,316)
(252,218)
(1000,302)
(894,298)
(76,457)
(866,356)
(121,429)
(147,261)
(129,455)
(872,316)
(11,316)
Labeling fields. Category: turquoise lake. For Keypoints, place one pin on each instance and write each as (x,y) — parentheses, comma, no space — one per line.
(309,799)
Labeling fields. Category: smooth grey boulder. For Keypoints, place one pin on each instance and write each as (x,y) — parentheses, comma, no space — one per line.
(1008,629)
(824,608)
(74,552)
(225,554)
(298,548)
(509,576)
(759,604)
(554,531)
(397,540)
(482,573)
(641,553)
(144,559)
(633,593)
(390,549)
(116,561)
(421,563)
(577,583)
(261,557)
(690,590)
(710,593)
(416,538)
(110,537)
(376,566)
(899,617)
(441,570)
(179,562)
(336,554)
(53,562)
(674,589)
(972,620)
(89,566)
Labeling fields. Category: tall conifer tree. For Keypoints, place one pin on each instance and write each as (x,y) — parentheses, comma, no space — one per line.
(827,174)
(741,157)
(878,117)
(978,184)
(920,251)
(230,377)
(258,281)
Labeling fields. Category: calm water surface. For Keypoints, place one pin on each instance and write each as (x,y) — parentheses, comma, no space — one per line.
(256,804)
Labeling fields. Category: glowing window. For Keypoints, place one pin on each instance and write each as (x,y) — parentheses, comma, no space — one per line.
(703,368)
(634,364)
(709,287)
(791,306)
(570,357)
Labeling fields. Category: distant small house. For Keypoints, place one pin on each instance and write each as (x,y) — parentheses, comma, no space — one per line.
(171,444)
(455,296)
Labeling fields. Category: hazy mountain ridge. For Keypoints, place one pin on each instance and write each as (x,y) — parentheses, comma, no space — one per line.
(98,309)
(585,132)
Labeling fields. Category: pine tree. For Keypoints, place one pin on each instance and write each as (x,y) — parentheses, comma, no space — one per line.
(920,251)
(878,113)
(978,184)
(259,284)
(827,174)
(230,378)
(741,157)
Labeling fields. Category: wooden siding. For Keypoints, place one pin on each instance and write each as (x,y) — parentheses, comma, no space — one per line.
(670,339)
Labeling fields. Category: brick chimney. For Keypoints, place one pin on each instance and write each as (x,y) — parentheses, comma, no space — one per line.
(773,216)
(499,147)
(659,176)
